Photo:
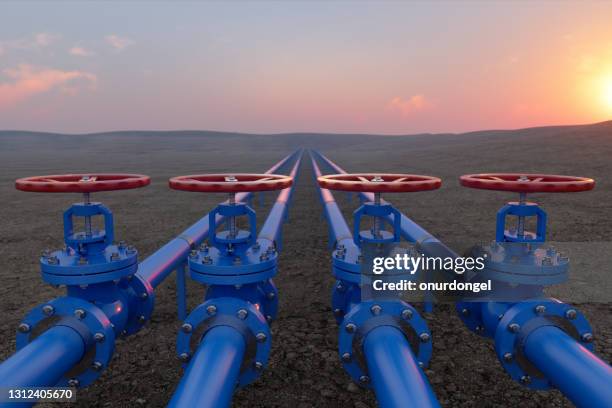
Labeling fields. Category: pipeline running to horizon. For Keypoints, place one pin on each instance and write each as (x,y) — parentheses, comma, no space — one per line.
(224,343)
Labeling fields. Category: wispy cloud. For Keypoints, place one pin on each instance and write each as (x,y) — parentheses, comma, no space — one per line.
(80,52)
(26,81)
(32,42)
(117,42)
(408,106)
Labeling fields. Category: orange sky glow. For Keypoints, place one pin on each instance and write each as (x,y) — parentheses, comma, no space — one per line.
(389,68)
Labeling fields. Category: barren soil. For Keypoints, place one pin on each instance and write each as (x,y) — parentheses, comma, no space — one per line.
(304,369)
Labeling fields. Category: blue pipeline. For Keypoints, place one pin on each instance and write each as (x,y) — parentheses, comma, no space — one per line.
(577,372)
(271,229)
(583,378)
(339,230)
(212,373)
(394,371)
(45,360)
(210,378)
(161,263)
(393,368)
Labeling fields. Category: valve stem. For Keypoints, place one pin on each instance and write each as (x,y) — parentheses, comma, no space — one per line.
(521,219)
(232,220)
(377,220)
(87,201)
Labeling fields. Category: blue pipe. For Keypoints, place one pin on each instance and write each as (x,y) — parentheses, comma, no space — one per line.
(395,374)
(210,378)
(272,226)
(338,227)
(45,360)
(162,262)
(578,373)
(573,369)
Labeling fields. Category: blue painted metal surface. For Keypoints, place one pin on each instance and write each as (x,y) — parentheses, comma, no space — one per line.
(568,362)
(106,298)
(366,323)
(210,378)
(394,371)
(165,260)
(45,361)
(240,298)
(569,366)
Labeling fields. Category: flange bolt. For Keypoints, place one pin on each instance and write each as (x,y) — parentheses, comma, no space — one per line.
(258,365)
(508,357)
(261,337)
(525,379)
(376,309)
(465,312)
(346,357)
(587,338)
(514,328)
(407,314)
(540,309)
(242,314)
(99,337)
(24,328)
(73,382)
(186,328)
(351,328)
(96,366)
(80,313)
(364,379)
(211,310)
(571,314)
(424,337)
(184,357)
(48,310)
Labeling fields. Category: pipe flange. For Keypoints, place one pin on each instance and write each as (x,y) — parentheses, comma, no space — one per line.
(471,315)
(343,294)
(238,314)
(368,315)
(141,297)
(522,319)
(84,317)
(211,267)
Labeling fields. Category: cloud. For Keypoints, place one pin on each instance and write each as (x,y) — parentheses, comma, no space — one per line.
(118,43)
(80,52)
(26,81)
(35,41)
(408,106)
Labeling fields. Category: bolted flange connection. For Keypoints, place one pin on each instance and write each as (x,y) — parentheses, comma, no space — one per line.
(238,314)
(523,318)
(367,316)
(87,320)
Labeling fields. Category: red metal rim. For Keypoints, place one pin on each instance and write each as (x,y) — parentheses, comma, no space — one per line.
(81,183)
(379,182)
(230,183)
(527,183)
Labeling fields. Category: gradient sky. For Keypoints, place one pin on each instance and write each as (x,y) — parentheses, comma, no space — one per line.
(260,67)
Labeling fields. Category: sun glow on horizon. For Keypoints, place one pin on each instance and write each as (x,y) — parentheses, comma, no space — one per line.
(607,92)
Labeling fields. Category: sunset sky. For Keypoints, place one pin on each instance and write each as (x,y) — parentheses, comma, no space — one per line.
(259,67)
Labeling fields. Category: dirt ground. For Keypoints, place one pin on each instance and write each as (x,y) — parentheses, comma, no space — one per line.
(304,369)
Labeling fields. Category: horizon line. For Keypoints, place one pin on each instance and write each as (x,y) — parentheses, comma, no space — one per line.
(227,132)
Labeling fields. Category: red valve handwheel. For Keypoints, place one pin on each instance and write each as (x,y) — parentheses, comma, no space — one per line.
(527,183)
(379,183)
(81,183)
(230,183)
